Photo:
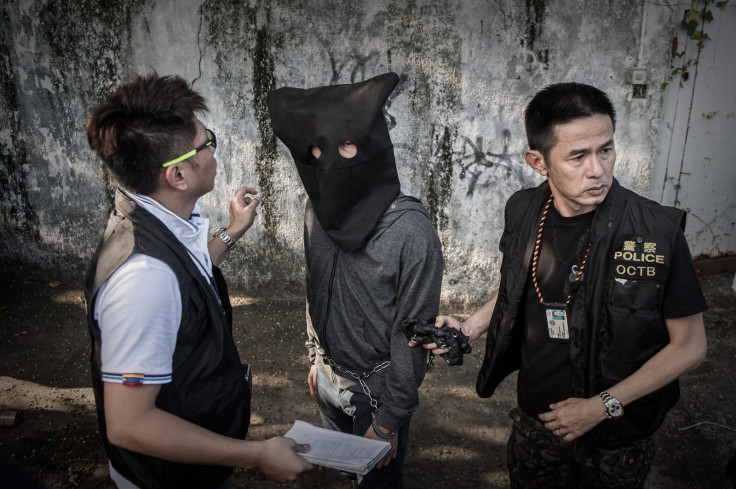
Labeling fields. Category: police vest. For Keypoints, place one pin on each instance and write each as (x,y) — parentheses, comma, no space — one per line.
(615,317)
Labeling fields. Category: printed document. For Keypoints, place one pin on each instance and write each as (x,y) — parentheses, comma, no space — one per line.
(337,450)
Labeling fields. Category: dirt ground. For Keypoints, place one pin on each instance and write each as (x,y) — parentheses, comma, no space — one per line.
(457,439)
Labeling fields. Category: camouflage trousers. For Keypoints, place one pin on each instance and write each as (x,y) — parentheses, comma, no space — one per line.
(537,458)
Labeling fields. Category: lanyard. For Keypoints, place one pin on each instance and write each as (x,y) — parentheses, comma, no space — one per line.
(535,259)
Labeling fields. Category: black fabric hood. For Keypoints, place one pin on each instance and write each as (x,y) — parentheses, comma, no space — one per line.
(348,195)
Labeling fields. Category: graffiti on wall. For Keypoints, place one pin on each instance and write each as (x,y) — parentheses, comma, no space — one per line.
(475,163)
(480,170)
(483,169)
(356,60)
(528,65)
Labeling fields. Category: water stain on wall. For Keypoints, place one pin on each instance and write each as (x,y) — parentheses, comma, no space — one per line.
(264,82)
(439,178)
(16,209)
(244,59)
(536,12)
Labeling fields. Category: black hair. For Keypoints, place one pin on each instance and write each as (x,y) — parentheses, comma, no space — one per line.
(142,125)
(559,104)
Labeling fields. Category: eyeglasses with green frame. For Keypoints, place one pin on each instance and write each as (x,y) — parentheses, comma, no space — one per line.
(211,141)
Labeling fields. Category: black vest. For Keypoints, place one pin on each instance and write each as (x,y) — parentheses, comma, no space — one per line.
(209,385)
(616,324)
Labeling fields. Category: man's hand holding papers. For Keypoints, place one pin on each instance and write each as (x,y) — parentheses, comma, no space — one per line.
(341,451)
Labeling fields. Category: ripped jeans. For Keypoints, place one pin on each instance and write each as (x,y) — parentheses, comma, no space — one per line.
(350,412)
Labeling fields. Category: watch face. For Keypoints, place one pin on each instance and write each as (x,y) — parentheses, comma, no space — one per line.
(615,409)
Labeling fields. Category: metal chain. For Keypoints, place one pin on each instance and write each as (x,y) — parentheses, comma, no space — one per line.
(430,362)
(359,377)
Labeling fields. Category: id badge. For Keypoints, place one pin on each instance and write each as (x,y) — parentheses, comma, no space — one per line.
(557,324)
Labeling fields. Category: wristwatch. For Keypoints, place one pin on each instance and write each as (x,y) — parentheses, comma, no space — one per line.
(614,408)
(220,233)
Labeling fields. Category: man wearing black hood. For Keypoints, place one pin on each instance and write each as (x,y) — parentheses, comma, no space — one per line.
(372,260)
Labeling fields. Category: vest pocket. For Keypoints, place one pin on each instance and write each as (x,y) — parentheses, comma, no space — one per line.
(634,329)
(635,296)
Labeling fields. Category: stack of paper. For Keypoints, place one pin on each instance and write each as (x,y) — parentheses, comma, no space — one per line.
(341,451)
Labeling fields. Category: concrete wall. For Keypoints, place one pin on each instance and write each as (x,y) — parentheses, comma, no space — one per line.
(467,69)
(693,164)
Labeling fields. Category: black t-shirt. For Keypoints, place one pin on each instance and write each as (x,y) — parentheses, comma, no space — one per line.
(683,295)
(544,376)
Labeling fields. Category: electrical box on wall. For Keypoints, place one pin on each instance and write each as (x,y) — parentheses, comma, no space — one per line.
(639,76)
(639,82)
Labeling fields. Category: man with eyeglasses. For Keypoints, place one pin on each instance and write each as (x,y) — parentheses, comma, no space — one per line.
(173,399)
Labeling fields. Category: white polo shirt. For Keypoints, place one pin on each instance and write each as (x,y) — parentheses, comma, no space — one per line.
(139,307)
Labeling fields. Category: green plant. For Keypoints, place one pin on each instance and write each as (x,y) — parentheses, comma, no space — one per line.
(694,25)
(695,20)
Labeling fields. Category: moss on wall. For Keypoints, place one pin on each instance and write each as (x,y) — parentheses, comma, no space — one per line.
(15,207)
(263,83)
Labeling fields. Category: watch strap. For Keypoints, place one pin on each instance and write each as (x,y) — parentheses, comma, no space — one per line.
(220,233)
(608,399)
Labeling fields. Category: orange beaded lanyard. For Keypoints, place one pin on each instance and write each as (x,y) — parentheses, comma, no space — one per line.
(535,259)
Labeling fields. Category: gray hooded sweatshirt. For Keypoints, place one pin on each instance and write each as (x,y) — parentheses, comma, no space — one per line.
(357,300)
